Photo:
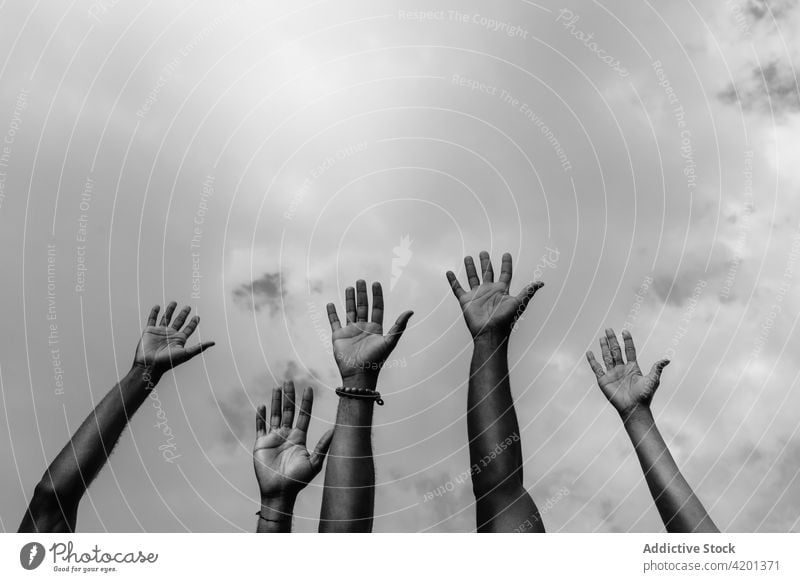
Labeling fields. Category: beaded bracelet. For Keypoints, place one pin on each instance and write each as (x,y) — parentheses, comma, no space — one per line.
(350,392)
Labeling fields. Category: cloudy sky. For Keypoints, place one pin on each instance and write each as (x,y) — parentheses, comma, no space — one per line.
(252,159)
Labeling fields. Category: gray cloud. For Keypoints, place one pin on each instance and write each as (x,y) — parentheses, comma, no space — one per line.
(676,289)
(768,495)
(238,405)
(266,291)
(772,89)
(445,504)
(238,413)
(758,9)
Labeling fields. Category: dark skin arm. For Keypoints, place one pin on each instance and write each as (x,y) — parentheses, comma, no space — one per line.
(502,503)
(54,506)
(283,464)
(360,349)
(631,393)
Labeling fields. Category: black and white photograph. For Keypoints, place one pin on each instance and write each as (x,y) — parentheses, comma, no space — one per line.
(378,266)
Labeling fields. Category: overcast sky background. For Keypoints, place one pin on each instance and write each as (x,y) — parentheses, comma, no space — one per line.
(328,132)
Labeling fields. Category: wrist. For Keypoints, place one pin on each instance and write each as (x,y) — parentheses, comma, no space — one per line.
(275,514)
(356,413)
(278,505)
(639,415)
(490,339)
(144,374)
(361,379)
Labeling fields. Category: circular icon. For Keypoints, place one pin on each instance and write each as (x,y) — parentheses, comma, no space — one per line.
(31,555)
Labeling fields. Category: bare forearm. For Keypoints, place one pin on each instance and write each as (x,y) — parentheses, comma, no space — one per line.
(348,500)
(79,462)
(508,510)
(502,503)
(680,509)
(494,444)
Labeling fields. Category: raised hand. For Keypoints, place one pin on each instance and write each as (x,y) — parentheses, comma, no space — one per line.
(162,346)
(360,347)
(488,308)
(283,464)
(54,505)
(623,383)
(631,393)
(360,350)
(501,502)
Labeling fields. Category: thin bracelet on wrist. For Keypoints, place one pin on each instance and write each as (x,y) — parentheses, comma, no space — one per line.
(261,516)
(363,393)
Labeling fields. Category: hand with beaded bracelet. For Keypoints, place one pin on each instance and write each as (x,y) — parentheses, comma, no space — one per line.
(360,350)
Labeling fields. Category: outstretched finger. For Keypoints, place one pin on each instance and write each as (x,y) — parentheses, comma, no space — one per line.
(458,291)
(377,303)
(486,267)
(472,274)
(165,319)
(261,421)
(630,348)
(333,318)
(613,345)
(362,301)
(398,328)
(317,458)
(506,270)
(188,330)
(275,409)
(304,418)
(287,419)
(179,321)
(153,317)
(595,365)
(524,297)
(350,304)
(606,351)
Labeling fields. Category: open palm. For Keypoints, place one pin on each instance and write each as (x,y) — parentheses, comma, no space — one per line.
(623,383)
(282,462)
(488,307)
(360,345)
(162,346)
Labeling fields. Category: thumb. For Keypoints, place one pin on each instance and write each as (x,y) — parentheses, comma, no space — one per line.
(655,372)
(398,328)
(528,292)
(197,349)
(318,456)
